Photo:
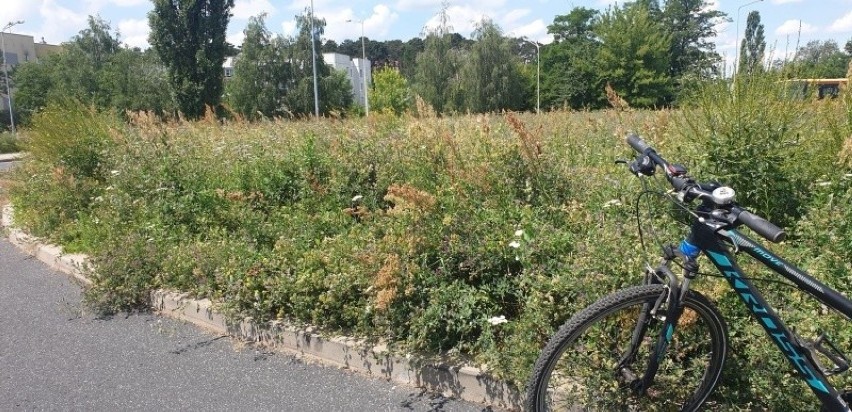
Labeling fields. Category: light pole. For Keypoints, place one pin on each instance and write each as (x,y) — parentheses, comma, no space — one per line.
(6,70)
(314,55)
(537,74)
(737,44)
(364,69)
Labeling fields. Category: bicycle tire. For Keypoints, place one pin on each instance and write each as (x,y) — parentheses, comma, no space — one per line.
(685,363)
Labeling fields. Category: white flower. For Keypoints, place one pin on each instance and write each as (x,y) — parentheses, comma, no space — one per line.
(519,232)
(357,198)
(496,320)
(114,172)
(613,202)
(514,244)
(823,183)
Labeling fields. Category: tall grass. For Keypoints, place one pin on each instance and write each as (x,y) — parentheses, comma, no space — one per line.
(417,230)
(9,143)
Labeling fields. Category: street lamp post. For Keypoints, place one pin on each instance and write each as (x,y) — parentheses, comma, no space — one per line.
(537,75)
(6,70)
(364,69)
(314,55)
(737,45)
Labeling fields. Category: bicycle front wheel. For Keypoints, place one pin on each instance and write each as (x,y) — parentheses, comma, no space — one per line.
(577,370)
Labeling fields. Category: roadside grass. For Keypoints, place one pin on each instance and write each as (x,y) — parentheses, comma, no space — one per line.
(417,230)
(9,143)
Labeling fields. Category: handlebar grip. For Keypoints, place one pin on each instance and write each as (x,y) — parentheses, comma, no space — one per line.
(637,143)
(762,227)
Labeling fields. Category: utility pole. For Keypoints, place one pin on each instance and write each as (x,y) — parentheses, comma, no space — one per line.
(537,74)
(314,55)
(6,70)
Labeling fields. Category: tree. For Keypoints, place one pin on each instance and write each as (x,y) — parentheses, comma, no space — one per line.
(753,46)
(569,69)
(633,56)
(34,83)
(390,91)
(575,25)
(819,59)
(691,24)
(261,74)
(334,94)
(95,70)
(490,75)
(408,60)
(437,67)
(189,36)
(135,81)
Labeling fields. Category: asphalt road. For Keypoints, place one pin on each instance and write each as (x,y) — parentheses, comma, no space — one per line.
(56,355)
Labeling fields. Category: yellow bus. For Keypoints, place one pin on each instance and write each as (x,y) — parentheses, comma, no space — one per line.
(822,88)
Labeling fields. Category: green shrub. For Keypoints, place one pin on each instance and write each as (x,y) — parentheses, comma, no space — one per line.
(417,231)
(9,143)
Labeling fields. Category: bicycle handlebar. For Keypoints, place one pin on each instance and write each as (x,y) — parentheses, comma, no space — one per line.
(637,143)
(762,227)
(759,225)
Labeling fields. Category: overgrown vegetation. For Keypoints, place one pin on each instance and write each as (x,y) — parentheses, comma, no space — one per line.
(418,230)
(9,143)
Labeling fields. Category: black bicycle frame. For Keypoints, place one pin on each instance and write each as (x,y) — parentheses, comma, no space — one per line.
(711,242)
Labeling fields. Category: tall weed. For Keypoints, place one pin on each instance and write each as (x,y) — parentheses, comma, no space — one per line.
(421,231)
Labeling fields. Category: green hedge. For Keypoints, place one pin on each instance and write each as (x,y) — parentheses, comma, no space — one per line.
(416,231)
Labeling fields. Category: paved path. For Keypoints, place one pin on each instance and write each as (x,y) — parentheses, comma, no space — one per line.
(55,355)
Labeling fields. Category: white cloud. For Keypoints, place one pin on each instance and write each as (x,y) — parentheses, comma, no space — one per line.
(235,38)
(794,27)
(380,22)
(461,20)
(14,10)
(408,5)
(59,22)
(134,33)
(243,9)
(536,31)
(785,1)
(129,3)
(515,15)
(288,27)
(843,24)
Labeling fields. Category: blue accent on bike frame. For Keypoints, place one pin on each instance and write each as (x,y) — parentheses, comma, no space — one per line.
(669,334)
(689,250)
(762,314)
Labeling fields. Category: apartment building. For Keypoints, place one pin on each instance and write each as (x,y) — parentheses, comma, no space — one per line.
(18,49)
(355,70)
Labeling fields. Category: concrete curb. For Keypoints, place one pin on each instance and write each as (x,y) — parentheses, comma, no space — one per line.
(11,157)
(445,377)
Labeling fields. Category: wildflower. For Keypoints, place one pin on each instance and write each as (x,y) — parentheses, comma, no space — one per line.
(357,198)
(519,232)
(496,320)
(613,202)
(823,183)
(114,172)
(514,244)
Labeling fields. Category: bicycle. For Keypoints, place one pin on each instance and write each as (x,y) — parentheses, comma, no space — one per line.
(663,345)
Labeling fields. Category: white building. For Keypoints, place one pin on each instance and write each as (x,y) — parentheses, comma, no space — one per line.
(18,49)
(355,69)
(228,67)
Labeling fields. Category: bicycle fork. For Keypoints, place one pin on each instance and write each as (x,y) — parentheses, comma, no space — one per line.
(676,291)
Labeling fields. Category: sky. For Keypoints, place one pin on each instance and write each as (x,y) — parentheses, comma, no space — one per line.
(786,22)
